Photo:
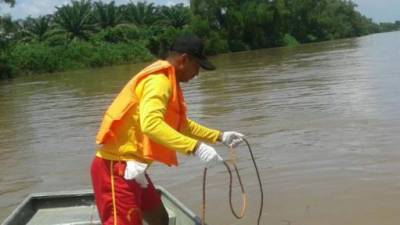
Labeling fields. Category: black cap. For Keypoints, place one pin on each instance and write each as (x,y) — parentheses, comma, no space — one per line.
(193,46)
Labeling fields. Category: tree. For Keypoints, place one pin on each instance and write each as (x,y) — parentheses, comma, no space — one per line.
(279,27)
(235,24)
(8,30)
(257,17)
(108,15)
(214,11)
(141,13)
(6,24)
(36,28)
(177,16)
(7,33)
(76,20)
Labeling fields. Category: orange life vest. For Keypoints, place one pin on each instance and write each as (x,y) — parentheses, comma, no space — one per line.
(175,115)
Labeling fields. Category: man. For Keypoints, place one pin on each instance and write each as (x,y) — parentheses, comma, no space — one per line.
(147,122)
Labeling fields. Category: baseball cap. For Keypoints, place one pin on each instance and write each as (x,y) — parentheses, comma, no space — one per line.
(193,46)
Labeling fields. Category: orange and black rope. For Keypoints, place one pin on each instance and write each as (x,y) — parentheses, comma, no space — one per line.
(244,198)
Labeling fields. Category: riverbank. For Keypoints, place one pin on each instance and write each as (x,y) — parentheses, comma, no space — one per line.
(86,34)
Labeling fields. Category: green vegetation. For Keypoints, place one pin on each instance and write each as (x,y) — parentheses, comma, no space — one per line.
(386,27)
(91,34)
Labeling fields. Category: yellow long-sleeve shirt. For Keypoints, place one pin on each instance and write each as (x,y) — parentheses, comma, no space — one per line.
(148,118)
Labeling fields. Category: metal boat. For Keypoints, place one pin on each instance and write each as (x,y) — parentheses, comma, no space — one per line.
(77,208)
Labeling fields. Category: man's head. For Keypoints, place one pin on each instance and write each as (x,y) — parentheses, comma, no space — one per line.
(186,54)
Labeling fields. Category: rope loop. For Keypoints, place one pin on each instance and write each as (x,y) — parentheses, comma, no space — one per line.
(232,161)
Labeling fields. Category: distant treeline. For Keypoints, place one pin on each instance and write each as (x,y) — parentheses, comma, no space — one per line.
(91,34)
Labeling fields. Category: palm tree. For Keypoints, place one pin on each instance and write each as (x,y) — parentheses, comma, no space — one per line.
(177,16)
(6,25)
(8,30)
(107,15)
(76,20)
(7,33)
(36,29)
(141,13)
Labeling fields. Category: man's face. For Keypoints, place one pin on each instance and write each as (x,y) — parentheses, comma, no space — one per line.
(189,68)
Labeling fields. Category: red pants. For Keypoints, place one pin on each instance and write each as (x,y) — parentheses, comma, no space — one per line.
(120,201)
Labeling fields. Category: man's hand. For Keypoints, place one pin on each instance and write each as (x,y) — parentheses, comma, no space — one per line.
(207,154)
(232,139)
(135,170)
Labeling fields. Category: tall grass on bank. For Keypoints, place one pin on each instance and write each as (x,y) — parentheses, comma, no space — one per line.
(42,57)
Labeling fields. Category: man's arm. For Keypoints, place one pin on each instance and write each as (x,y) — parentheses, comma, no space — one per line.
(200,132)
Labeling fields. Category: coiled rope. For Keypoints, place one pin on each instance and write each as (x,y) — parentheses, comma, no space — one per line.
(244,198)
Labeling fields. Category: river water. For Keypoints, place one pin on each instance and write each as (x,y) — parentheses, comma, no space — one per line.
(323,120)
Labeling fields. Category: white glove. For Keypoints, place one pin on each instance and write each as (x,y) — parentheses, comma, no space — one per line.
(208,155)
(232,139)
(135,170)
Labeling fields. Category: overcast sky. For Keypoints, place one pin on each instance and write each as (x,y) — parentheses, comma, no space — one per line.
(379,11)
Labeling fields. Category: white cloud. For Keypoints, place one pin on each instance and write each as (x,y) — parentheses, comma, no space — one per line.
(4,9)
(174,2)
(33,8)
